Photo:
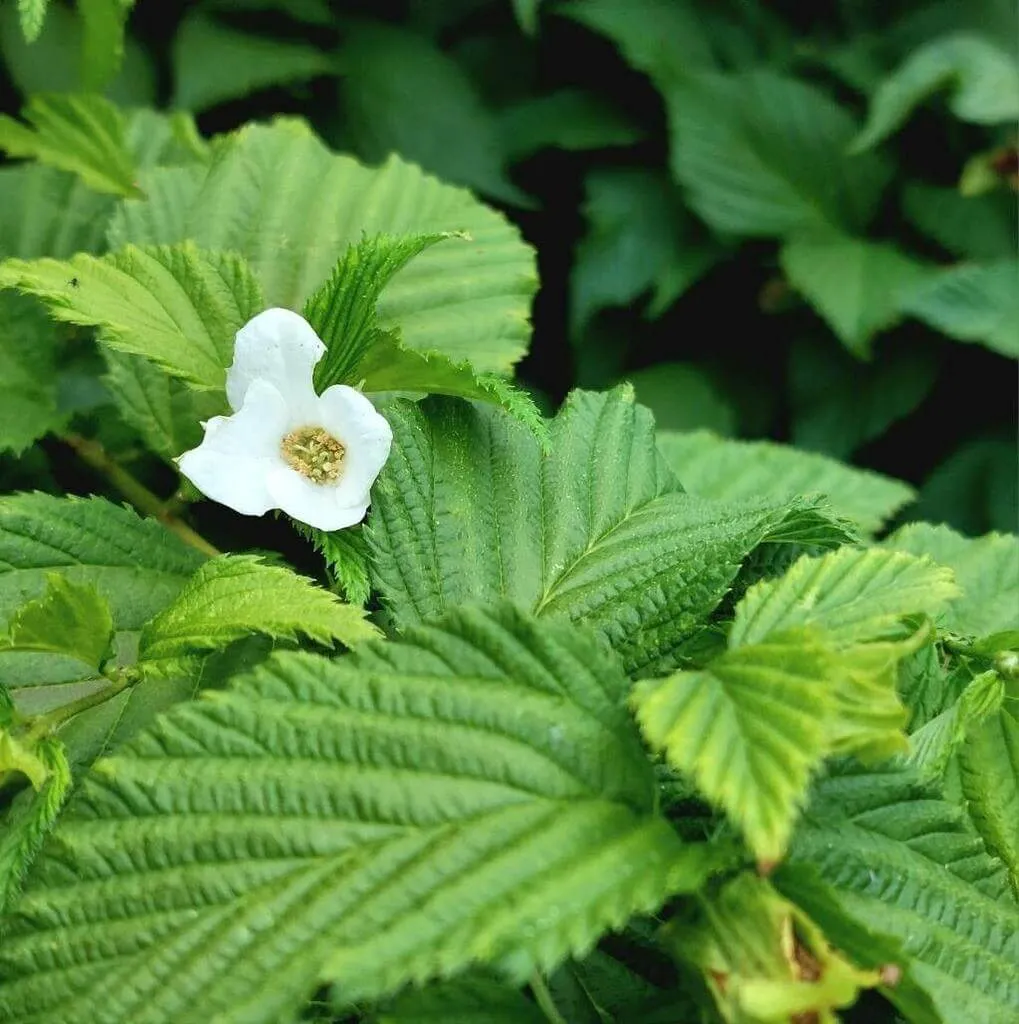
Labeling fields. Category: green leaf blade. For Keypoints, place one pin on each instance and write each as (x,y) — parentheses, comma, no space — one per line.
(32,14)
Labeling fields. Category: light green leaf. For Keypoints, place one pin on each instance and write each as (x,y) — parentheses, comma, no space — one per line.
(136,565)
(171,140)
(969,227)
(983,77)
(526,12)
(102,40)
(32,14)
(639,239)
(28,367)
(401,94)
(343,310)
(289,206)
(728,470)
(20,758)
(894,862)
(176,305)
(166,413)
(233,596)
(46,212)
(749,729)
(761,154)
(855,595)
(346,556)
(395,818)
(972,302)
(934,743)
(213,63)
(682,397)
(839,403)
(985,568)
(600,531)
(29,820)
(989,769)
(83,134)
(70,618)
(855,285)
(565,119)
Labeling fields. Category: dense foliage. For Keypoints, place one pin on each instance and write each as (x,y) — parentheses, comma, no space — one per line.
(602,715)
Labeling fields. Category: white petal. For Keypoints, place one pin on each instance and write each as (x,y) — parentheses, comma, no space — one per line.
(365,435)
(318,505)
(280,346)
(233,462)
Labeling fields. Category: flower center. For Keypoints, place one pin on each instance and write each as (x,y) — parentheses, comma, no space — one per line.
(314,453)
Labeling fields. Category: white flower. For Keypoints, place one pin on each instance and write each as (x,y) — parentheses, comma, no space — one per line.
(313,456)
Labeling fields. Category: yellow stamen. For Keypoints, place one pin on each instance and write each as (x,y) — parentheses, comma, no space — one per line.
(314,453)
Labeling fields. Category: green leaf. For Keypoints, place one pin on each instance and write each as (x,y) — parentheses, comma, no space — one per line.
(32,14)
(898,863)
(235,595)
(346,555)
(395,818)
(289,206)
(28,368)
(985,568)
(762,958)
(600,531)
(760,154)
(989,770)
(972,302)
(343,310)
(176,305)
(682,397)
(934,743)
(470,999)
(166,413)
(103,39)
(639,239)
(213,63)
(401,94)
(568,119)
(83,134)
(839,403)
(855,285)
(136,565)
(749,729)
(18,758)
(46,212)
(728,470)
(854,595)
(983,78)
(70,618)
(526,12)
(969,227)
(30,818)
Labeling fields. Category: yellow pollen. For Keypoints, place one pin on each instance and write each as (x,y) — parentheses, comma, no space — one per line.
(314,453)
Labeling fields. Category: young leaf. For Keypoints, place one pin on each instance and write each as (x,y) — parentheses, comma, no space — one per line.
(983,78)
(176,305)
(30,818)
(32,14)
(346,554)
(81,133)
(28,367)
(855,285)
(342,311)
(474,795)
(749,729)
(70,618)
(473,998)
(213,63)
(235,595)
(898,863)
(855,596)
(728,470)
(288,205)
(526,12)
(102,40)
(760,154)
(600,531)
(972,302)
(985,568)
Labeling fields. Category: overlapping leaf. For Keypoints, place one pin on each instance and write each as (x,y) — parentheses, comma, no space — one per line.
(476,793)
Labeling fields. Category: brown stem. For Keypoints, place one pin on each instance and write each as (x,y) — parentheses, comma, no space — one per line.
(95,455)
